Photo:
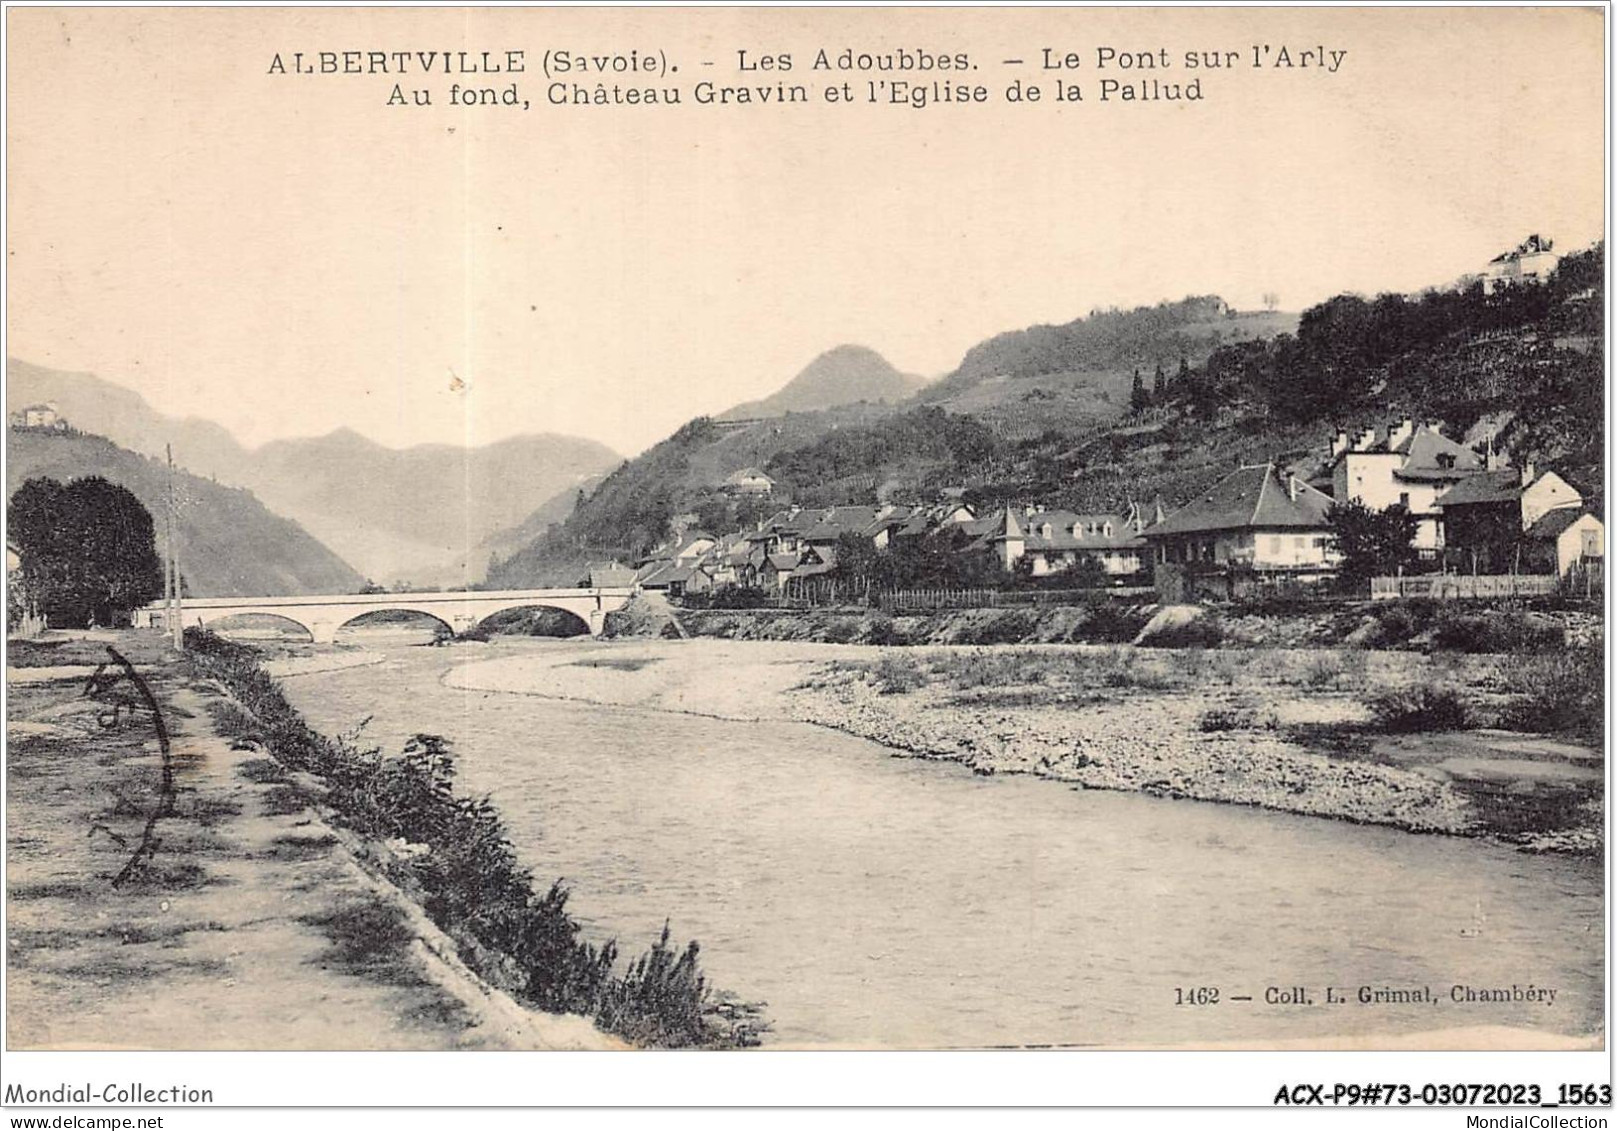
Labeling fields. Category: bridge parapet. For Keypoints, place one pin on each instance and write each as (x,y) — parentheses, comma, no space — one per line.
(322,616)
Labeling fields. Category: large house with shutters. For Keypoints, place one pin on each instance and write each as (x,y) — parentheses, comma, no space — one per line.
(1049,541)
(1408,465)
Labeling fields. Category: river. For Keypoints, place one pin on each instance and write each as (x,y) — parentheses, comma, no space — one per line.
(881,901)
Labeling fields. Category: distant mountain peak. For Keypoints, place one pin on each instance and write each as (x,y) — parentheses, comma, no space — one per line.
(842,375)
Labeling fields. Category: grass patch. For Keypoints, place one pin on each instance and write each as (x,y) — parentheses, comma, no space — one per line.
(210,811)
(1235,718)
(182,876)
(368,937)
(296,847)
(617,663)
(262,771)
(285,801)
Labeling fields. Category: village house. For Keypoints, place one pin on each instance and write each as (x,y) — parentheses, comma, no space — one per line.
(1533,261)
(669,567)
(1406,465)
(749,481)
(609,575)
(1054,540)
(1256,519)
(1520,521)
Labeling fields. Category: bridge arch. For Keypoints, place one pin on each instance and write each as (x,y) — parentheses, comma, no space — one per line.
(240,624)
(351,619)
(580,621)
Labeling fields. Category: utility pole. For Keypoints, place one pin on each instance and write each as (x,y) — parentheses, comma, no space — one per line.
(172,578)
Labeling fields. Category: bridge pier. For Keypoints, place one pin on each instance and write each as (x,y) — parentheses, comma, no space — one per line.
(323,631)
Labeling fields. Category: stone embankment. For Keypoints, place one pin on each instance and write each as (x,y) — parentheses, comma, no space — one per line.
(1404,626)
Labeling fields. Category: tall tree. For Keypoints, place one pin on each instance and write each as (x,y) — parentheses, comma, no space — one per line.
(1138,397)
(88,550)
(1373,543)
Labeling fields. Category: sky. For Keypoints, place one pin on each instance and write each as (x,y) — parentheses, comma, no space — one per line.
(286,254)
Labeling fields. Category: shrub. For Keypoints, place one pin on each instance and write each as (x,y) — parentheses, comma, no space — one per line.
(1235,718)
(1322,671)
(727,597)
(840,630)
(1396,625)
(1558,694)
(896,675)
(1010,626)
(884,630)
(1109,624)
(1498,631)
(1423,707)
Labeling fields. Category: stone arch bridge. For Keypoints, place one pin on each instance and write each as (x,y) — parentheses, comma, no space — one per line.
(321,617)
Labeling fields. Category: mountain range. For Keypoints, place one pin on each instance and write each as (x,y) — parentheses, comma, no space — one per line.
(420,514)
(844,375)
(230,543)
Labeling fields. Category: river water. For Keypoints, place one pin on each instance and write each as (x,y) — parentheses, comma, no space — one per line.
(881,901)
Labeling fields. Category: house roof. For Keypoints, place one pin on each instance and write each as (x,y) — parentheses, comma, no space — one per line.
(832,523)
(654,573)
(692,544)
(1422,450)
(1552,524)
(737,478)
(816,562)
(1427,449)
(1254,497)
(1094,537)
(1484,487)
(785,563)
(610,576)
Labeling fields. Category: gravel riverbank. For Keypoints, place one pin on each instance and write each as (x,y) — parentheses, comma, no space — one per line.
(1233,727)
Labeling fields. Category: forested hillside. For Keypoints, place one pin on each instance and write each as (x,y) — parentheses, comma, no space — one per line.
(1524,366)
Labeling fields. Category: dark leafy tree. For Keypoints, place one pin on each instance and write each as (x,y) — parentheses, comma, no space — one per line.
(1373,543)
(859,563)
(89,553)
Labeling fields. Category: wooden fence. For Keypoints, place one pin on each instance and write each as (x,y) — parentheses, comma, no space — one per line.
(809,593)
(1465,587)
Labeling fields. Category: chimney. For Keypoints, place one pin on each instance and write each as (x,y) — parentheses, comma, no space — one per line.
(1028,509)
(1403,430)
(1340,443)
(1529,473)
(1366,440)
(1291,486)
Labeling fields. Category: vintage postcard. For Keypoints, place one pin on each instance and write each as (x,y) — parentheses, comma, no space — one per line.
(806,529)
